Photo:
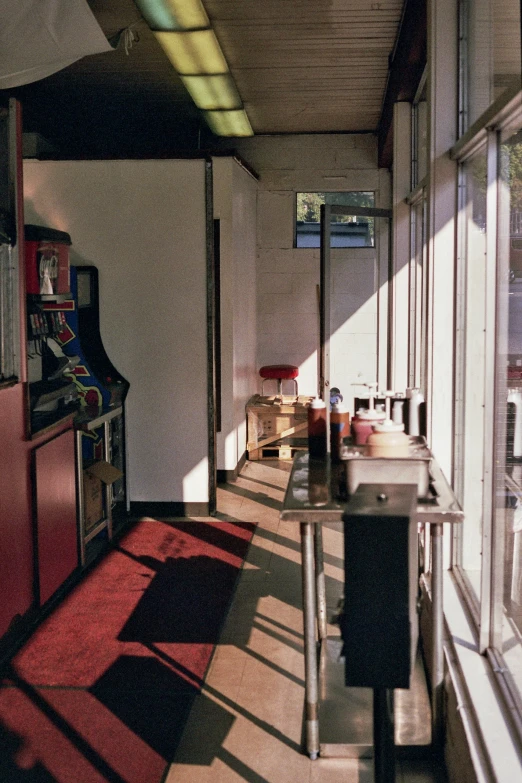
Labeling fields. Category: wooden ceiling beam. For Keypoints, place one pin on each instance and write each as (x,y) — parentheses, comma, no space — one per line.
(407,63)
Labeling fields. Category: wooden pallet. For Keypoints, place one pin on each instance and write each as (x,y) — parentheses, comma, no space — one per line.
(282,451)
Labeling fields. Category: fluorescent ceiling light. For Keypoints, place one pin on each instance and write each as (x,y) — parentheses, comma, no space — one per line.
(192,53)
(213,92)
(229,123)
(174,14)
(183,30)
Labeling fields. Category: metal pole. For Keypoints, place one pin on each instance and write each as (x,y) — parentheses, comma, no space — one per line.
(322,626)
(383,736)
(108,487)
(310,642)
(79,486)
(437,673)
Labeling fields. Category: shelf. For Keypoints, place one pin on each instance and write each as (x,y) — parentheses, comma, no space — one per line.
(345,727)
(46,420)
(87,422)
(58,298)
(93,531)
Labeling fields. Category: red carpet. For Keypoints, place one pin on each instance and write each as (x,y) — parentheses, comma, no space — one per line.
(102,690)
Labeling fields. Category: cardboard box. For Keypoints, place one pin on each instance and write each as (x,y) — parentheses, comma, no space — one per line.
(95,477)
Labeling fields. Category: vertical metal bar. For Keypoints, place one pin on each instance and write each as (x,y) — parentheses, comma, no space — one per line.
(325,285)
(125,460)
(19,300)
(310,642)
(320,582)
(211,324)
(108,487)
(499,555)
(437,672)
(383,736)
(490,339)
(80,512)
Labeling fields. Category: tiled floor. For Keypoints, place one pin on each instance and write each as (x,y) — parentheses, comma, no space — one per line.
(247,724)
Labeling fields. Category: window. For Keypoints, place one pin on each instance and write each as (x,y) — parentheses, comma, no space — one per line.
(488,391)
(346,231)
(417,340)
(507,511)
(471,365)
(490,54)
(419,136)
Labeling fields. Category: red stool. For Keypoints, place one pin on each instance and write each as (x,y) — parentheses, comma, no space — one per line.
(280,373)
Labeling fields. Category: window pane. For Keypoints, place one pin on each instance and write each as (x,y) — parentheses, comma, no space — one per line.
(471,365)
(492,63)
(418,300)
(346,230)
(508,507)
(420,139)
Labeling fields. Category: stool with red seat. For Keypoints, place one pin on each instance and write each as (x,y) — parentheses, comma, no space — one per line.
(279,373)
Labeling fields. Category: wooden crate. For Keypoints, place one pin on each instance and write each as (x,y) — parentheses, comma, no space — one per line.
(271,419)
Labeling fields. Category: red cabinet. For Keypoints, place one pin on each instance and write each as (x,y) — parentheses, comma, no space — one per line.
(55,511)
(16,534)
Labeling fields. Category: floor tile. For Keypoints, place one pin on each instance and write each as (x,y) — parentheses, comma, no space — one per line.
(247,724)
(341,771)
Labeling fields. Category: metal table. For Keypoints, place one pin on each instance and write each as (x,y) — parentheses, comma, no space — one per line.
(315,495)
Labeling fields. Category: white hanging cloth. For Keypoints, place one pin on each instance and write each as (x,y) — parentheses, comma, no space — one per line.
(40,37)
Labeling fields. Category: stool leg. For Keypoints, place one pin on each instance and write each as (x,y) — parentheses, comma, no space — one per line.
(280,386)
(295,384)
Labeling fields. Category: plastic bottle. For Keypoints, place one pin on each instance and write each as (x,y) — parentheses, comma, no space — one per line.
(388,439)
(362,424)
(398,412)
(317,483)
(415,400)
(339,429)
(317,428)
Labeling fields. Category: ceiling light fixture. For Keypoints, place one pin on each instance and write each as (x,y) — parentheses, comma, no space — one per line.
(193,52)
(183,30)
(213,92)
(228,123)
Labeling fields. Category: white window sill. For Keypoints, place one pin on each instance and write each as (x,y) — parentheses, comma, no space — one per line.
(498,743)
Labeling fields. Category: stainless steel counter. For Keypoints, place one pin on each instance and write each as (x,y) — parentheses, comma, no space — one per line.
(317,494)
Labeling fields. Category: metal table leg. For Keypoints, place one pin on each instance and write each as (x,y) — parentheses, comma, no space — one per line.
(320,583)
(310,640)
(383,736)
(437,673)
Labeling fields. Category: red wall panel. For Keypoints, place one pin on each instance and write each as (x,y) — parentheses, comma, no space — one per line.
(57,543)
(16,536)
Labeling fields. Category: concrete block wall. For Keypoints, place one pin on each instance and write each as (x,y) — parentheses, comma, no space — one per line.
(288,277)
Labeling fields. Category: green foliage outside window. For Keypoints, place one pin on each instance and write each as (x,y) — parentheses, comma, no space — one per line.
(356,231)
(309,204)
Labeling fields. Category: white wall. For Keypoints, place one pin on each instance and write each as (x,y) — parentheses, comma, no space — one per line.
(235,203)
(287,277)
(142,223)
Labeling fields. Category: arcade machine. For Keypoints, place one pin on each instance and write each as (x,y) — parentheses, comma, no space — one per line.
(72,352)
(52,396)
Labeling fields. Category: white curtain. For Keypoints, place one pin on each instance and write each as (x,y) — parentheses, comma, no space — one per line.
(40,37)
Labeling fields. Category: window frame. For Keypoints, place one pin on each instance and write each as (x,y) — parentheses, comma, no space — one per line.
(358,211)
(488,613)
